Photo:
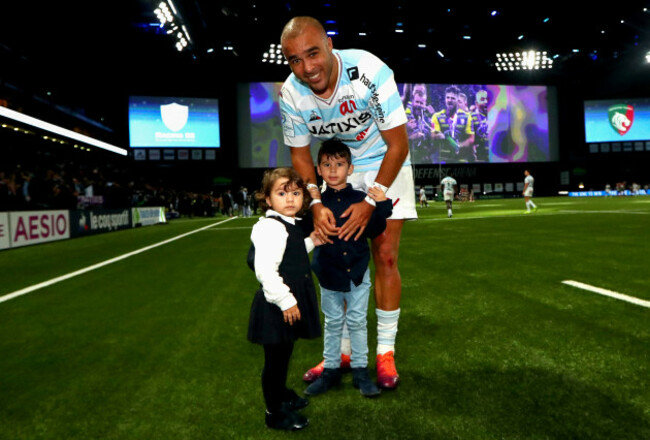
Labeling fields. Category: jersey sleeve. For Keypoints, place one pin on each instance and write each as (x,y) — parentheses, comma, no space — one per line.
(379,90)
(294,127)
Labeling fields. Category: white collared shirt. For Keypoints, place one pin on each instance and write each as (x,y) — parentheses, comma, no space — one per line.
(270,239)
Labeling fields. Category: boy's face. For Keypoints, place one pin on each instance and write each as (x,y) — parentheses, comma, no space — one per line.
(335,171)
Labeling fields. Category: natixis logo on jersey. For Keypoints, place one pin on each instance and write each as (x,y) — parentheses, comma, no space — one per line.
(621,117)
(174,116)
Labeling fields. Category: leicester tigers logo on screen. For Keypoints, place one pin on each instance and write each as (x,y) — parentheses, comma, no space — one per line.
(174,116)
(621,117)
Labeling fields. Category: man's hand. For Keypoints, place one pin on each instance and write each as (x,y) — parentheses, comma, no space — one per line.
(324,223)
(359,215)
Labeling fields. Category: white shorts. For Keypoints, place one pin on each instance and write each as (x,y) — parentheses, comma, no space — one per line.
(528,192)
(401,192)
(448,196)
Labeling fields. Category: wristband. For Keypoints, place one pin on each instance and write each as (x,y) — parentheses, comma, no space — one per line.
(315,202)
(371,201)
(380,186)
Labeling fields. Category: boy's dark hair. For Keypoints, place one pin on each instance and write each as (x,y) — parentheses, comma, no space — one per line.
(334,148)
(270,176)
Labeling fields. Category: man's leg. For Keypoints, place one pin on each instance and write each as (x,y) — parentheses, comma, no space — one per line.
(388,292)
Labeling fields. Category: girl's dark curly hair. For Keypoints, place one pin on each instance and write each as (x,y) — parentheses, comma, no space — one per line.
(269,179)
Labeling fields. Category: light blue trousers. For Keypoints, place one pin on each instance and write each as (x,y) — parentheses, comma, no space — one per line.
(333,305)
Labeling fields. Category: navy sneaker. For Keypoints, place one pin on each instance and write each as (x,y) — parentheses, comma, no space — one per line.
(329,379)
(361,380)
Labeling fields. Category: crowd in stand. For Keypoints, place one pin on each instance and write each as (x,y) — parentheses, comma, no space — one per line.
(67,185)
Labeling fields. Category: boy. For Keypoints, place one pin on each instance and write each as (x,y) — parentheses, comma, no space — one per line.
(343,273)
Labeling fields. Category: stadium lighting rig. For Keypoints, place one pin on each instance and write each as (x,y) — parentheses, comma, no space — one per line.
(172,22)
(55,129)
(528,60)
(274,55)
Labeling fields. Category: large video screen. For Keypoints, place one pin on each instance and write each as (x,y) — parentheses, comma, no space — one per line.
(173,122)
(446,124)
(617,120)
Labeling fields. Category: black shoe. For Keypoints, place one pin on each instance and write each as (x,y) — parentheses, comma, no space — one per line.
(286,419)
(293,401)
(361,380)
(329,379)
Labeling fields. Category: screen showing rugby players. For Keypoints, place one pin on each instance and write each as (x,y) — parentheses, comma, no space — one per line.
(446,124)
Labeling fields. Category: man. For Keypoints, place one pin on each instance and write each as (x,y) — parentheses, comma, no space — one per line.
(448,187)
(528,191)
(452,127)
(352,95)
(419,128)
(423,198)
(479,124)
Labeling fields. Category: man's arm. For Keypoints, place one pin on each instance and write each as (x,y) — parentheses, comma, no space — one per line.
(324,221)
(397,149)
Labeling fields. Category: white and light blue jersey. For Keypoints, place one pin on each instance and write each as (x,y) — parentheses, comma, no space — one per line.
(365,101)
(530,181)
(448,184)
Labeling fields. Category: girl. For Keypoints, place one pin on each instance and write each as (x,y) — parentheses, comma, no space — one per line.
(285,306)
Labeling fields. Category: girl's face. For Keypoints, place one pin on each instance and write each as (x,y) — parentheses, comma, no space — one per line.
(287,202)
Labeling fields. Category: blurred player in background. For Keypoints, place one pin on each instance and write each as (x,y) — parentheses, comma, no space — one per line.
(528,192)
(423,198)
(448,187)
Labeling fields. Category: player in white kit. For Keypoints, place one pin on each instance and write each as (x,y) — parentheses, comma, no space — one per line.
(448,187)
(352,95)
(528,192)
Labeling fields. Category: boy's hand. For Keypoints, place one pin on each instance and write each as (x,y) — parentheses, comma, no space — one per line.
(291,315)
(377,194)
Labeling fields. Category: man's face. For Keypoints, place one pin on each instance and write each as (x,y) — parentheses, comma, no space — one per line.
(451,101)
(419,102)
(311,59)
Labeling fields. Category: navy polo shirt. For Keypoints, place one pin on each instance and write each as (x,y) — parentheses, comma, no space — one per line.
(338,263)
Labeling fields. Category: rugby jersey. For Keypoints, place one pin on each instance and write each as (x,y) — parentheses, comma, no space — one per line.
(365,101)
(448,184)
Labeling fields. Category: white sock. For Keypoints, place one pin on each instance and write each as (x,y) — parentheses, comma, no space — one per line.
(386,330)
(528,206)
(532,204)
(346,347)
(449,211)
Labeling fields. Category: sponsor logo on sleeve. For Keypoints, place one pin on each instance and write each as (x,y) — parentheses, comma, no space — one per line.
(373,103)
(353,73)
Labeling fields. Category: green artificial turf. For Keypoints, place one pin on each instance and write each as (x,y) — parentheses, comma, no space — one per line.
(491,344)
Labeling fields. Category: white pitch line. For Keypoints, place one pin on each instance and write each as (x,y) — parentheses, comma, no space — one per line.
(47,283)
(610,293)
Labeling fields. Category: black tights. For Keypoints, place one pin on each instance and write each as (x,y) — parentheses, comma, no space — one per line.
(274,375)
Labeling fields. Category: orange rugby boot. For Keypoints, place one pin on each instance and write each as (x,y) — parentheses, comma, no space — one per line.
(315,372)
(387,376)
